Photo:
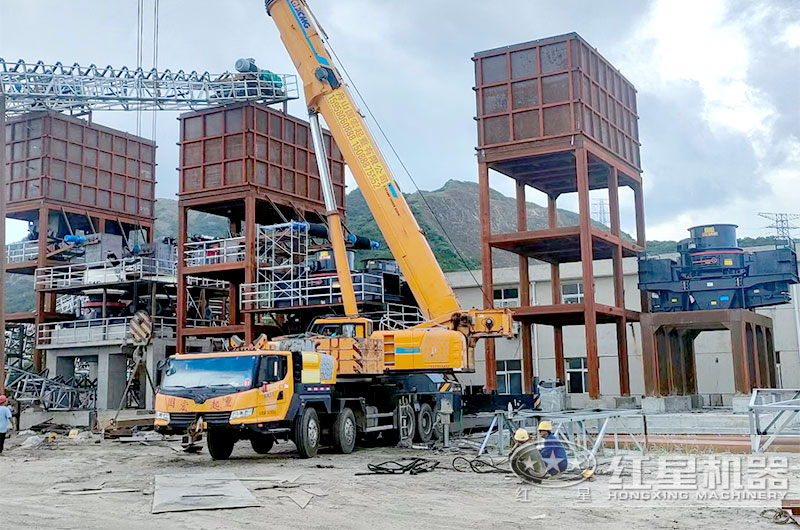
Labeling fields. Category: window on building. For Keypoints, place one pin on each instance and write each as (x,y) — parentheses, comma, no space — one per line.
(572,292)
(506,297)
(577,375)
(509,377)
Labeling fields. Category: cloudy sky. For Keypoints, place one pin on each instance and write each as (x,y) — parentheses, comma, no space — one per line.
(717,81)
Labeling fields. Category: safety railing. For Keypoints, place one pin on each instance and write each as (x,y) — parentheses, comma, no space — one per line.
(208,283)
(96,332)
(400,316)
(213,252)
(22,251)
(206,322)
(315,290)
(110,271)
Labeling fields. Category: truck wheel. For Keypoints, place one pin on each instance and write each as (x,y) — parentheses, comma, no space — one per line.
(424,424)
(262,443)
(220,443)
(344,432)
(306,433)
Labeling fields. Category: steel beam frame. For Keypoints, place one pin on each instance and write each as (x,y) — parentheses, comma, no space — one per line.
(669,357)
(781,409)
(557,245)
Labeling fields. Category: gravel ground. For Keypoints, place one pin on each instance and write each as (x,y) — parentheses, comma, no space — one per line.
(444,498)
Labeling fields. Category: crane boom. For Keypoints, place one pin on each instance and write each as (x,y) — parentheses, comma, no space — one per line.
(326,93)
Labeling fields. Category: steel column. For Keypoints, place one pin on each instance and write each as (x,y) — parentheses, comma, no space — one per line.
(641,240)
(587,268)
(486,270)
(180,346)
(524,294)
(249,260)
(555,290)
(41,297)
(3,192)
(619,284)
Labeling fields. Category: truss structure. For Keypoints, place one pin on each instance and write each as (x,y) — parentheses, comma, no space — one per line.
(77,89)
(52,394)
(774,414)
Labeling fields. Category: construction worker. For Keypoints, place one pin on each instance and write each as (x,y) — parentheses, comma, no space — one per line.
(5,420)
(553,452)
(521,437)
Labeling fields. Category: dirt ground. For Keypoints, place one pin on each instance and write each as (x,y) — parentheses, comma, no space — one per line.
(443,498)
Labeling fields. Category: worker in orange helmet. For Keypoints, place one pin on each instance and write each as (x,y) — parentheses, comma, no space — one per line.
(5,420)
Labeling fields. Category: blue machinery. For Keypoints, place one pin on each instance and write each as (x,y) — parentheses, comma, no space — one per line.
(714,273)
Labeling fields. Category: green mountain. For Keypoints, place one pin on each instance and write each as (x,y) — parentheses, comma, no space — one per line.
(448,217)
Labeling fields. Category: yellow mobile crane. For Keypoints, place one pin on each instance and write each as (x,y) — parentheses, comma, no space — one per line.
(343,380)
(326,94)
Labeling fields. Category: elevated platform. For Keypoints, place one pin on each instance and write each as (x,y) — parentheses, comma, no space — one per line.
(562,244)
(571,314)
(74,278)
(550,166)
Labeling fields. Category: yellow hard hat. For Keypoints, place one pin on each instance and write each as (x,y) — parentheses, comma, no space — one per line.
(521,435)
(545,425)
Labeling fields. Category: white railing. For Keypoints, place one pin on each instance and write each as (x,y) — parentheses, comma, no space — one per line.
(206,323)
(106,272)
(400,316)
(317,290)
(22,251)
(96,331)
(213,252)
(70,304)
(196,281)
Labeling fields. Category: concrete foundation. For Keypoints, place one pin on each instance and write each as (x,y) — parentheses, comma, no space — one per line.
(108,364)
(624,402)
(77,418)
(740,404)
(668,404)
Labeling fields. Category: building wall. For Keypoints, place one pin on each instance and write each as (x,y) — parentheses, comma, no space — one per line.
(714,362)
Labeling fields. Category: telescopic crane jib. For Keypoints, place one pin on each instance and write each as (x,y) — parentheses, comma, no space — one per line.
(326,94)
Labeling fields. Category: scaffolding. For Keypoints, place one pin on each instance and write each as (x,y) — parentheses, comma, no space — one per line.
(281,267)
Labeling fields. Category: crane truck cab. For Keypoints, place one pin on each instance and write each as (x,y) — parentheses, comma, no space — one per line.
(252,394)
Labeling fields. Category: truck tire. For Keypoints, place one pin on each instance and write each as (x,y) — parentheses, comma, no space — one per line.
(424,430)
(220,443)
(344,431)
(307,433)
(262,444)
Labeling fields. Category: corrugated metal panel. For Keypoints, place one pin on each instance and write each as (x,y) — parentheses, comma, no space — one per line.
(59,157)
(551,88)
(256,145)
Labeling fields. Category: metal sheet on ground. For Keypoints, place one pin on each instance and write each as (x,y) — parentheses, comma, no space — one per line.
(207,491)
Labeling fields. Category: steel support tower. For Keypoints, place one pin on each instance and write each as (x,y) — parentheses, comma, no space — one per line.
(556,116)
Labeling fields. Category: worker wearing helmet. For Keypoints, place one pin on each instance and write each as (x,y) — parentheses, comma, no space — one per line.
(553,452)
(5,420)
(521,437)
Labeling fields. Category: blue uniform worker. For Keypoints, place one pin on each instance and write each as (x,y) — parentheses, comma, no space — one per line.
(553,452)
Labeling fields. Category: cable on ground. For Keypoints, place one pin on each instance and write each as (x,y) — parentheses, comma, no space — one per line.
(412,466)
(479,465)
